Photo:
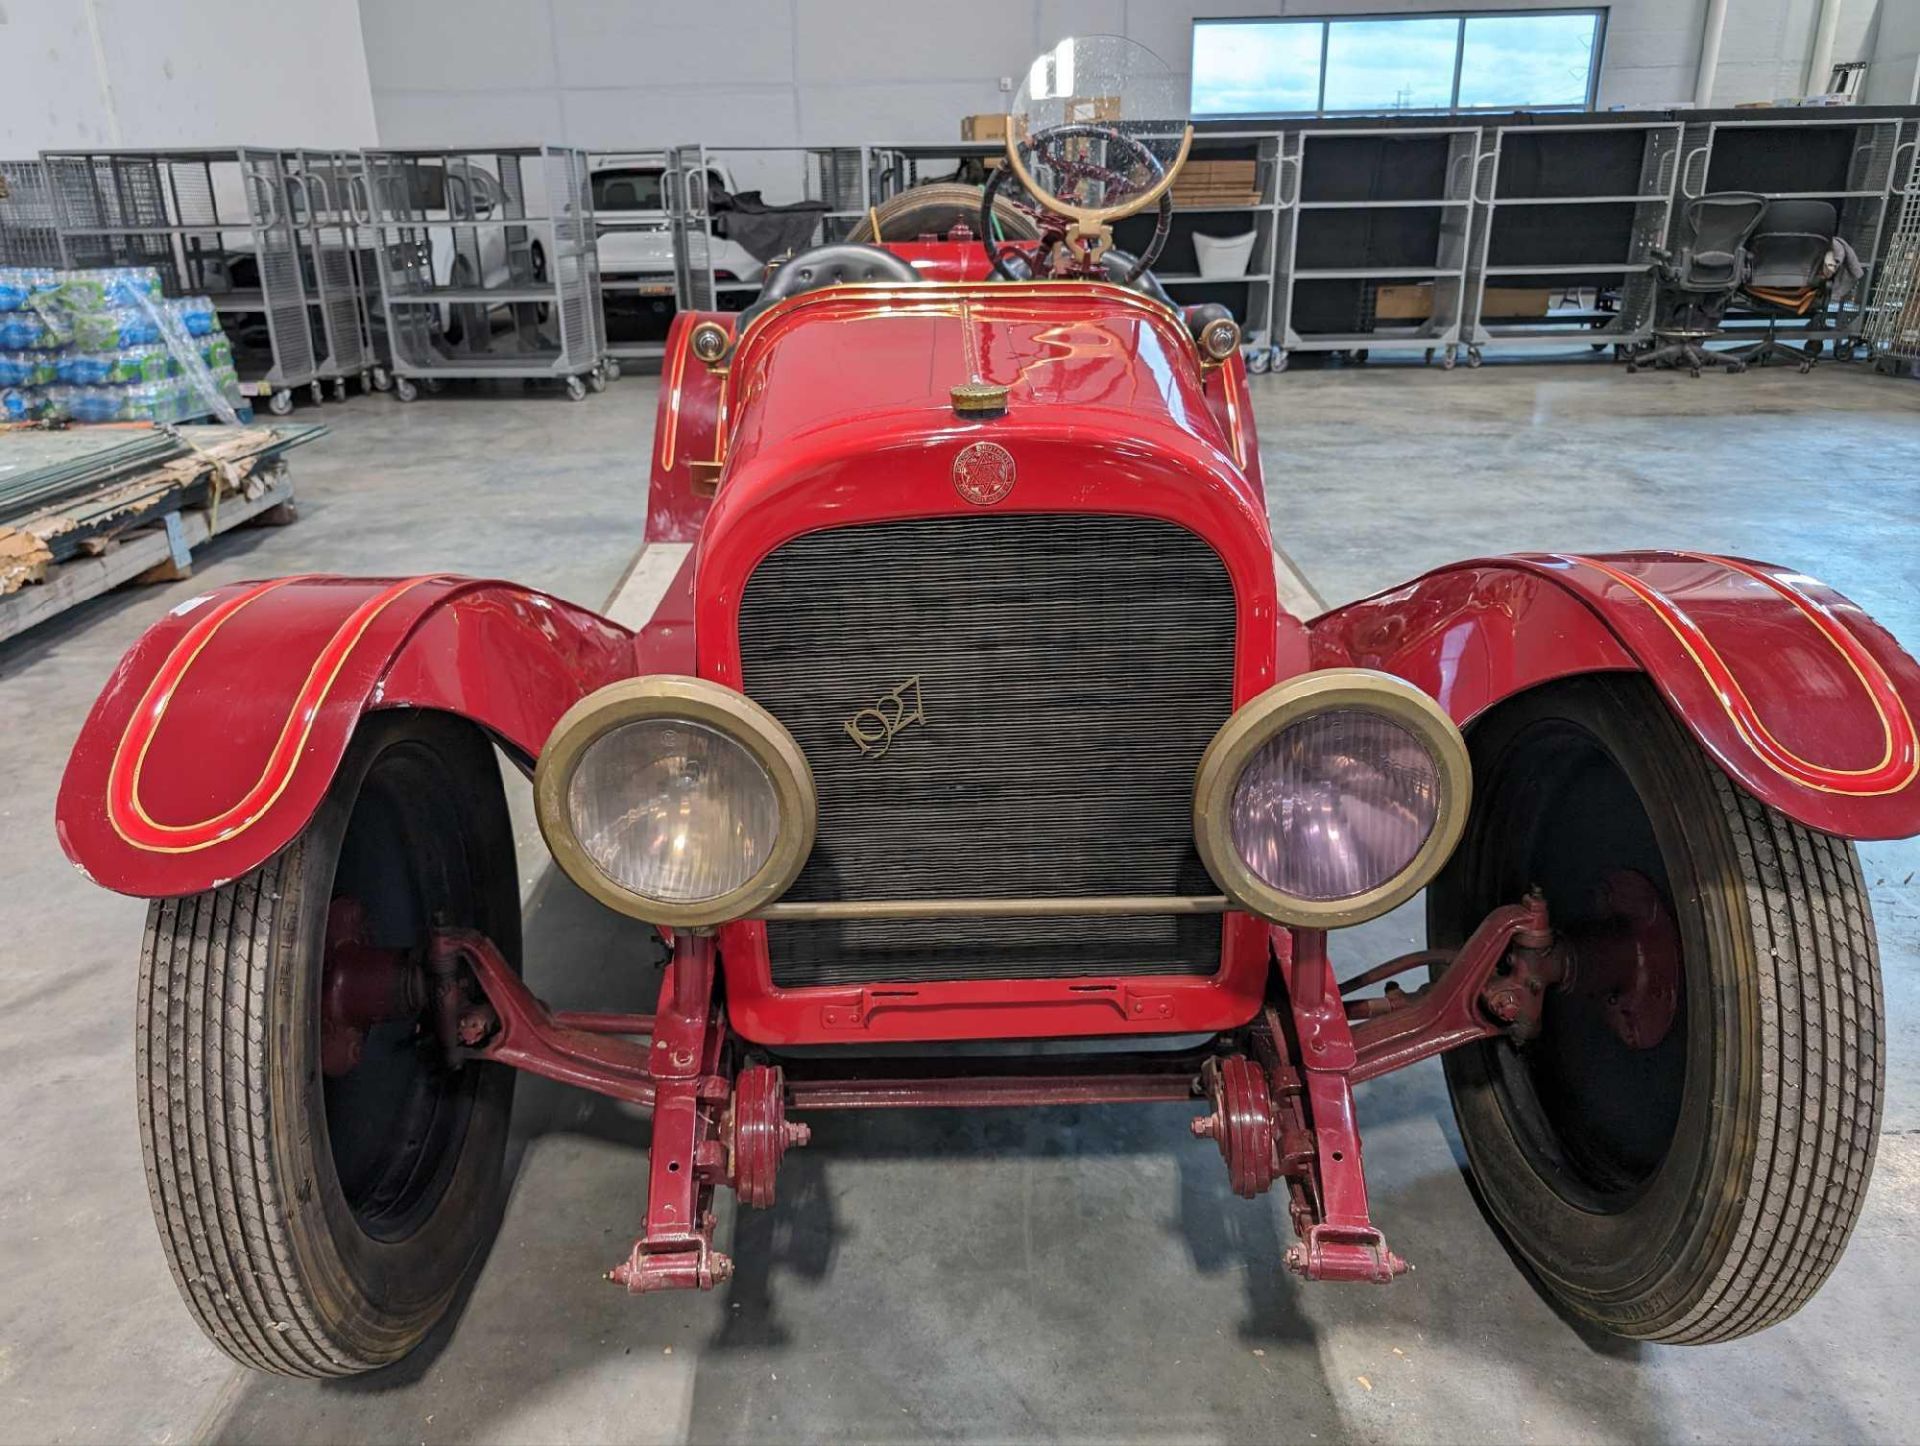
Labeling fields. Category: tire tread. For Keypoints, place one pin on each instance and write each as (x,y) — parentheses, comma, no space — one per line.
(1818,1116)
(205,1123)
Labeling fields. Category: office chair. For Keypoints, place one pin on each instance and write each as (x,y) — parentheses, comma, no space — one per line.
(1699,277)
(1791,273)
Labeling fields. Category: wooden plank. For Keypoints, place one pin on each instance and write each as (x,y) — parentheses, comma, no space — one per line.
(81,578)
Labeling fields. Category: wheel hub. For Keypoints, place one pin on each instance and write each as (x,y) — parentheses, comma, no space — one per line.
(1628,959)
(1242,1123)
(759,1134)
(362,985)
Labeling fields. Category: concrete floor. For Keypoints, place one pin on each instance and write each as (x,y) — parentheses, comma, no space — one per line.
(1081,1275)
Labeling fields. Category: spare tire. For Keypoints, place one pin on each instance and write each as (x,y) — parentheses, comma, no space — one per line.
(936,208)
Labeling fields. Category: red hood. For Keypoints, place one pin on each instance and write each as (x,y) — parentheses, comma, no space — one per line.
(1098,356)
(838,412)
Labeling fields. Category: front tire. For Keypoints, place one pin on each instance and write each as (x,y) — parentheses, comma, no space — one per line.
(320,1225)
(1700,1186)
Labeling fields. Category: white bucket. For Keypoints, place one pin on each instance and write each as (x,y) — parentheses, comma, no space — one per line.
(1221,257)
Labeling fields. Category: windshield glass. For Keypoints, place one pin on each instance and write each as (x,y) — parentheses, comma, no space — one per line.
(1098,123)
(629,189)
(408,187)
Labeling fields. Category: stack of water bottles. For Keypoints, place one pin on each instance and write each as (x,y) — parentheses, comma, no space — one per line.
(104,345)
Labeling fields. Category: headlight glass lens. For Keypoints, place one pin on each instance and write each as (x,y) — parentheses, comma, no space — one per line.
(1335,805)
(672,810)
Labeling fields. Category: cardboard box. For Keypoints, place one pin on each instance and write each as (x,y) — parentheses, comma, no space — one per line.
(1413,301)
(1239,174)
(1516,301)
(1405,301)
(991,127)
(1083,109)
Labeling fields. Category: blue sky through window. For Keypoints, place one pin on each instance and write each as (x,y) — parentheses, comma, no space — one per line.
(1390,64)
(1258,67)
(1241,67)
(1516,60)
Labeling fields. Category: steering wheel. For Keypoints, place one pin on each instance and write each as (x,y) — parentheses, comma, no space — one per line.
(1046,148)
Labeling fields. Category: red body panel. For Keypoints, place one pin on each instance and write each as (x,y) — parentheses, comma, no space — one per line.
(945,260)
(686,429)
(1796,692)
(218,734)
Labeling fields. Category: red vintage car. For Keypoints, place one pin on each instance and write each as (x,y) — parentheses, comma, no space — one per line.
(975,713)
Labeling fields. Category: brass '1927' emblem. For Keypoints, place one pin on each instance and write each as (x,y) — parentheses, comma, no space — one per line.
(874,729)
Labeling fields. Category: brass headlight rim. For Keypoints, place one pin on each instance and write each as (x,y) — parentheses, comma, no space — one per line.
(1219,326)
(691,700)
(1284,704)
(722,339)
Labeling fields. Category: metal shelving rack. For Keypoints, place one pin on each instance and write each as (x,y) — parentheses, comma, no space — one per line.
(1496,190)
(1442,331)
(1709,162)
(322,187)
(837,176)
(29,233)
(460,235)
(216,223)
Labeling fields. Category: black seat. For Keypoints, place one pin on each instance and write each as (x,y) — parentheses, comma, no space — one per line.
(834,264)
(1118,263)
(1791,274)
(1699,277)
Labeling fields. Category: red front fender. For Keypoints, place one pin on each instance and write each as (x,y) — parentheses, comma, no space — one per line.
(1799,695)
(219,732)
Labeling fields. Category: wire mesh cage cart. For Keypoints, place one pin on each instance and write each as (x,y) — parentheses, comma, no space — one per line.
(215,223)
(28,233)
(322,188)
(1891,326)
(633,248)
(486,265)
(726,229)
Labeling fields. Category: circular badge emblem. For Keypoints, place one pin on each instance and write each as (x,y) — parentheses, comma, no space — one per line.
(983,473)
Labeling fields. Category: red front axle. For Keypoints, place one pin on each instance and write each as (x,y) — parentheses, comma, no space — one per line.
(1281,1105)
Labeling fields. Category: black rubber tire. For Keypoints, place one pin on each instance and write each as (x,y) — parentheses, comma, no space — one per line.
(1759,1184)
(461,313)
(935,209)
(264,1246)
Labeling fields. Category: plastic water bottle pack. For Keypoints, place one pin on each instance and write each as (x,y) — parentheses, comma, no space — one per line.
(106,345)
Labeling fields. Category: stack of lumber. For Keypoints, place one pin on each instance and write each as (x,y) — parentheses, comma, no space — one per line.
(1217,183)
(80,491)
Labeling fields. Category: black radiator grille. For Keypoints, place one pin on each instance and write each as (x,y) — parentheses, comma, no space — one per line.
(1072,670)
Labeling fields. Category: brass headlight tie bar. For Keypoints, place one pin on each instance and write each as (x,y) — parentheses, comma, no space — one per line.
(825,909)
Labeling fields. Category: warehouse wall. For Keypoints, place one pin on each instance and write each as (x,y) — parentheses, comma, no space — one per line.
(181,72)
(1894,77)
(612,73)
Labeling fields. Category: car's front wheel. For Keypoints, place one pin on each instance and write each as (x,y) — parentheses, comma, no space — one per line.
(1682,1152)
(321,1207)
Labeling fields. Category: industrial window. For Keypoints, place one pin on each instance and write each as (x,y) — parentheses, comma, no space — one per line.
(1363,65)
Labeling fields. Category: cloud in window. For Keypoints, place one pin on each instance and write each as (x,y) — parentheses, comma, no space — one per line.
(1267,67)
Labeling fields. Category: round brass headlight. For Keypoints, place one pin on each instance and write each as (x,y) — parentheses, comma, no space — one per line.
(675,800)
(710,342)
(1220,338)
(1331,798)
